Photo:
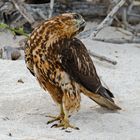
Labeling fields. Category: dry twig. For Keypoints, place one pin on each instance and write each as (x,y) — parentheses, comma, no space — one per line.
(51,8)
(108,20)
(118,41)
(23,11)
(102,58)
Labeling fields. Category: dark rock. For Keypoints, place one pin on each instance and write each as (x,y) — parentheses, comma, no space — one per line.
(8,52)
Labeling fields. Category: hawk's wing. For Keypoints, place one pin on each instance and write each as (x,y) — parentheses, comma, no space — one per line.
(77,63)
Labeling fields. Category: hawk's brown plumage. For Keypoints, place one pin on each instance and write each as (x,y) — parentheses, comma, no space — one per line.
(62,65)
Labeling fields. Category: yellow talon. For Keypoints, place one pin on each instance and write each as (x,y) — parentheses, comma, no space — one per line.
(63,120)
(64,123)
(55,118)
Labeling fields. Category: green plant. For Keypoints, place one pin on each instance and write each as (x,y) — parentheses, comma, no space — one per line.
(13,30)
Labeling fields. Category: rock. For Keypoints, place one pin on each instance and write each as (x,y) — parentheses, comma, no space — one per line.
(15,55)
(10,53)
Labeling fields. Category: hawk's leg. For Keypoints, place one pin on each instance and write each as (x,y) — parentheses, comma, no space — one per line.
(64,122)
(56,118)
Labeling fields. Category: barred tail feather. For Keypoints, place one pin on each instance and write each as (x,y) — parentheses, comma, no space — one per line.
(102,99)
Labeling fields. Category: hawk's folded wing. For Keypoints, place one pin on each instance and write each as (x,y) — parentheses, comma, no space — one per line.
(77,63)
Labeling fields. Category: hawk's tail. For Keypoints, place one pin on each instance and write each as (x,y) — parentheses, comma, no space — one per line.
(103,97)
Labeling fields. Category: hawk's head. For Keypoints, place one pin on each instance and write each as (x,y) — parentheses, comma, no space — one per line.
(68,24)
(57,28)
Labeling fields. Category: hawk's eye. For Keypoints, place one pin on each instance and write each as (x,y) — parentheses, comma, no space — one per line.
(76,16)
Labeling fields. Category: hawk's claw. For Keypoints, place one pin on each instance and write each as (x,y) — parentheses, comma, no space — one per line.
(64,124)
(63,121)
(54,125)
(55,118)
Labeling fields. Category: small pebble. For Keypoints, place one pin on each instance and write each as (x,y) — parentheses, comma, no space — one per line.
(10,134)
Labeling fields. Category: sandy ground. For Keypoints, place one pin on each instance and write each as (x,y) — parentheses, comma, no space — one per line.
(24,106)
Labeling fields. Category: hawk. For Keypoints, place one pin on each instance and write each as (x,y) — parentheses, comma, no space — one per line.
(62,66)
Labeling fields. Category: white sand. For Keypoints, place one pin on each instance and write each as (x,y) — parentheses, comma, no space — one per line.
(23,106)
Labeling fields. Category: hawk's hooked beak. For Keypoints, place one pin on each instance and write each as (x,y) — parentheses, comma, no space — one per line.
(81,24)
